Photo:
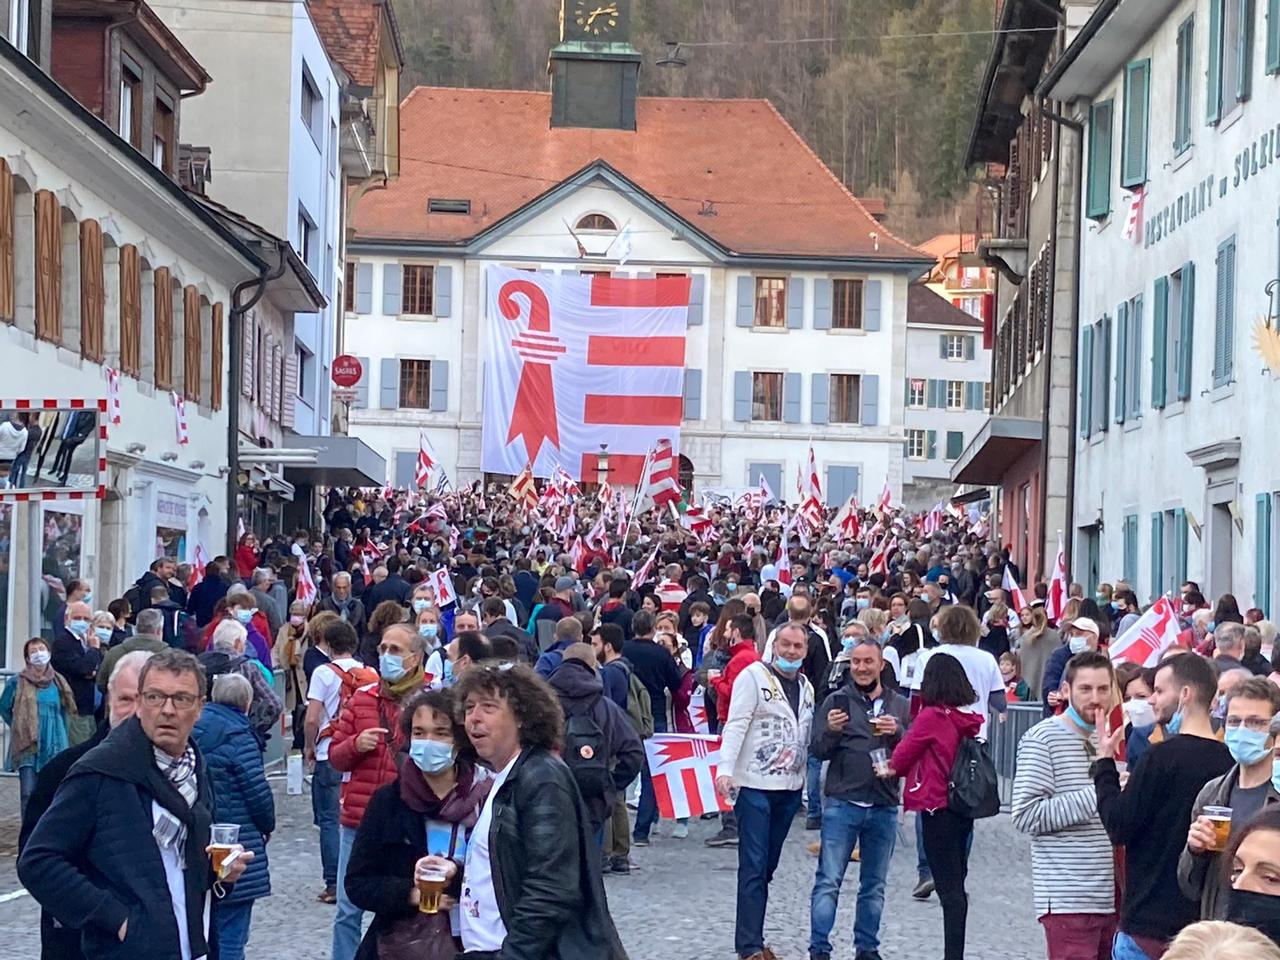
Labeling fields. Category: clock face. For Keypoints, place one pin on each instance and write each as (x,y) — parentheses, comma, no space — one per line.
(596,18)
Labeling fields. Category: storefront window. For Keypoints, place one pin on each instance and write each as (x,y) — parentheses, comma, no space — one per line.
(60,563)
(171,526)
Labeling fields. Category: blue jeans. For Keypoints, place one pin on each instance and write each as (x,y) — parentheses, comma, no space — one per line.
(1125,949)
(647,811)
(813,787)
(923,872)
(26,784)
(347,924)
(326,783)
(764,818)
(232,926)
(846,825)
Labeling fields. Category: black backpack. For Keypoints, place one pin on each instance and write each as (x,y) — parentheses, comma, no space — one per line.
(586,753)
(972,790)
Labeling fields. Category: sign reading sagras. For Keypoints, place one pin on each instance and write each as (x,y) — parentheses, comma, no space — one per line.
(346,370)
(575,362)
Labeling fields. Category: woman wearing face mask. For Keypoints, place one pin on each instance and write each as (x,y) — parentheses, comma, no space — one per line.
(1249,868)
(287,655)
(1124,610)
(241,608)
(428,810)
(104,628)
(36,705)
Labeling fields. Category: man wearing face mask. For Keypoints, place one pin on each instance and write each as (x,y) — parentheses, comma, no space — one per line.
(861,809)
(341,602)
(1152,815)
(77,655)
(468,647)
(763,749)
(1247,788)
(366,738)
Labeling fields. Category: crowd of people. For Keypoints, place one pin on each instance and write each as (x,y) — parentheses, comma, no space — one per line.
(470,684)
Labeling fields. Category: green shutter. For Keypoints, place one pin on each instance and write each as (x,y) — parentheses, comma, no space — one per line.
(1273,36)
(1157,555)
(1104,364)
(1122,361)
(1160,341)
(1262,555)
(1182,91)
(955,444)
(1084,413)
(1244,51)
(1134,348)
(1224,319)
(1131,548)
(1098,195)
(1186,329)
(1180,535)
(1213,97)
(1133,144)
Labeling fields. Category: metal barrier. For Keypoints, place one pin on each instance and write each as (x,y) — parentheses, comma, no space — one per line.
(1002,740)
(4,732)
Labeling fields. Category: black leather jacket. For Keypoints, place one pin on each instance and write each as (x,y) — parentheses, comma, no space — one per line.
(546,868)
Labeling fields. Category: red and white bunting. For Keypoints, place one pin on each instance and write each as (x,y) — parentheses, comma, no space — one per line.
(684,767)
(113,395)
(180,419)
(1147,640)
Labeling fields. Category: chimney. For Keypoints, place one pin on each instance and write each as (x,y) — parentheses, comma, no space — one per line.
(195,168)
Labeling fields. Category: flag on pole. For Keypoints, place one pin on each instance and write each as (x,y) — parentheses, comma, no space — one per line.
(305,590)
(879,562)
(239,528)
(1057,599)
(1144,642)
(578,555)
(683,767)
(811,496)
(443,483)
(1014,591)
(664,476)
(422,472)
(442,582)
(524,489)
(766,492)
(645,571)
(364,568)
(886,498)
(197,568)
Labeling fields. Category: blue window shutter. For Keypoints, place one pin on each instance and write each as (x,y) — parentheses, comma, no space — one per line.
(1273,36)
(1160,342)
(937,393)
(746,313)
(795,303)
(406,466)
(1084,415)
(870,388)
(1180,535)
(697,298)
(970,347)
(1133,143)
(1122,360)
(742,396)
(772,473)
(692,394)
(392,288)
(791,398)
(842,483)
(1157,554)
(1244,51)
(931,445)
(942,346)
(871,295)
(1131,548)
(364,288)
(1224,313)
(1262,555)
(1186,330)
(822,304)
(439,385)
(362,388)
(1213,98)
(389,384)
(442,291)
(820,401)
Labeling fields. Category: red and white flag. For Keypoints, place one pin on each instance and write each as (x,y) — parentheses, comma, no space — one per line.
(422,472)
(524,489)
(1056,602)
(696,521)
(1144,642)
(568,487)
(364,568)
(664,476)
(879,562)
(766,492)
(113,395)
(1133,219)
(180,419)
(698,712)
(811,496)
(683,767)
(1015,592)
(886,499)
(846,526)
(198,563)
(598,538)
(305,589)
(645,571)
(442,582)
(578,555)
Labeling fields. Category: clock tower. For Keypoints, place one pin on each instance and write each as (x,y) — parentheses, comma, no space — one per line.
(594,69)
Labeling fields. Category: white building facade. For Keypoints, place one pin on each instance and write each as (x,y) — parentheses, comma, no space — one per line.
(1177,363)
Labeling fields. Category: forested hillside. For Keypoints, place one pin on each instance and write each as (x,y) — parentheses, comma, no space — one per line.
(885,94)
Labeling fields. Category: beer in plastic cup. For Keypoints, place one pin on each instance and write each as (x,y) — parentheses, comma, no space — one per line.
(223,839)
(1220,817)
(431,883)
(880,761)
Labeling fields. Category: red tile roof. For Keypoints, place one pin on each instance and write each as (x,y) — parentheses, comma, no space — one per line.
(947,245)
(925,306)
(351,31)
(769,192)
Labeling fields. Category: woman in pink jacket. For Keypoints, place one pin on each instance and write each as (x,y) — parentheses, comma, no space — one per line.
(924,760)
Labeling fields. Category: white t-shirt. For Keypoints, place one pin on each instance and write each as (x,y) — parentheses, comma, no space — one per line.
(481,926)
(175,880)
(979,666)
(326,687)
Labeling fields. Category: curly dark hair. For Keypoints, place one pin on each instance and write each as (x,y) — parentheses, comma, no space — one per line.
(444,702)
(533,702)
(384,615)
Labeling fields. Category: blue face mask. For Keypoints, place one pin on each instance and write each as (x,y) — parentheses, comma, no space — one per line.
(1078,644)
(79,628)
(427,629)
(431,756)
(1211,626)
(244,616)
(1275,775)
(787,666)
(1080,721)
(731,586)
(420,605)
(1247,746)
(448,679)
(391,666)
(102,633)
(862,602)
(848,643)
(88,597)
(937,637)
(1174,724)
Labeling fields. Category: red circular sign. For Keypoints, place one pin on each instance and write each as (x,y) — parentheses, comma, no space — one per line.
(346,370)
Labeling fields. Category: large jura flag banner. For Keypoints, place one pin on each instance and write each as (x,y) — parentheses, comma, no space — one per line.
(683,767)
(1150,636)
(573,362)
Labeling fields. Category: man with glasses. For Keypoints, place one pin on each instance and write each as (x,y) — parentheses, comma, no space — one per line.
(1251,728)
(135,877)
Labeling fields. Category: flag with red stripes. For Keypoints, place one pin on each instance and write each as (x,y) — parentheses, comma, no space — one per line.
(1011,587)
(305,589)
(698,712)
(1144,642)
(811,496)
(683,767)
(645,571)
(197,568)
(524,489)
(422,470)
(574,362)
(663,482)
(1056,602)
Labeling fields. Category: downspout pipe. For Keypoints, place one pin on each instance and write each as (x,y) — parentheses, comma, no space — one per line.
(1077,128)
(235,354)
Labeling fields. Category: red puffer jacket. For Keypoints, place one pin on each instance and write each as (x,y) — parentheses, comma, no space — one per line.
(368,707)
(927,753)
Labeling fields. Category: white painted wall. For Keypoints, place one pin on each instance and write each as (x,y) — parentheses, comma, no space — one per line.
(1142,467)
(924,361)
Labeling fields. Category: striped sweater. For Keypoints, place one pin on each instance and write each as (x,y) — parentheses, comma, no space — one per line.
(1072,865)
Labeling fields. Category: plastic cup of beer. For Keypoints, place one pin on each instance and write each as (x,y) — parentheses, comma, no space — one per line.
(1220,817)
(223,841)
(431,882)
(880,761)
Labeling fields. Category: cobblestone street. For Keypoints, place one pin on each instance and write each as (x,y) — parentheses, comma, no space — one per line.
(678,906)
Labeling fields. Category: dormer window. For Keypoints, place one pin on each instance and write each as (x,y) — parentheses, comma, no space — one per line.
(597,223)
(131,105)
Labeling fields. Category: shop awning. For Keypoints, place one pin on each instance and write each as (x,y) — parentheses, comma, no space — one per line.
(994,449)
(340,462)
(975,495)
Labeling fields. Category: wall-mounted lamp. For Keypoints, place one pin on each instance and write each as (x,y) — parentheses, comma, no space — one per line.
(136,447)
(169,456)
(196,464)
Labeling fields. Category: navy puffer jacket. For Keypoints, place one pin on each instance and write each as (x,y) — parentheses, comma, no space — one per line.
(240,791)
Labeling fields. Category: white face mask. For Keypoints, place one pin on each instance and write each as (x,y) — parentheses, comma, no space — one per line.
(39,658)
(1139,713)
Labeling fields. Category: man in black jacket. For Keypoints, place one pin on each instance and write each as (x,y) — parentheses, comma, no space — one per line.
(393,587)
(77,655)
(493,615)
(206,594)
(106,864)
(531,852)
(861,808)
(340,601)
(657,670)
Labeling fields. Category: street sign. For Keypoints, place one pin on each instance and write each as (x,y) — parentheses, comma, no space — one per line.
(346,370)
(344,394)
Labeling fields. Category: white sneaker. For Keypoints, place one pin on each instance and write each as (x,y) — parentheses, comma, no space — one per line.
(680,830)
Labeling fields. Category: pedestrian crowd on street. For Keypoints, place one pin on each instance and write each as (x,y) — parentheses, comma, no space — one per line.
(470,684)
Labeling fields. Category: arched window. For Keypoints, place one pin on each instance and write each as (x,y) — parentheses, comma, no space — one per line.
(598,222)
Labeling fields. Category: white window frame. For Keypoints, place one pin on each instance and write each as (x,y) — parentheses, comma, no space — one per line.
(959,399)
(917,439)
(955,346)
(912,402)
(20,24)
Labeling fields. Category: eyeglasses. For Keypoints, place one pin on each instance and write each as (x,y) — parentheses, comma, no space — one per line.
(1255,724)
(181,701)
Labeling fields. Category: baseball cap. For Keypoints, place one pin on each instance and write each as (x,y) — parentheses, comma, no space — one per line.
(1085,624)
(566,583)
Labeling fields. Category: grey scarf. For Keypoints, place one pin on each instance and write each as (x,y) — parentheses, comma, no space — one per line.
(168,830)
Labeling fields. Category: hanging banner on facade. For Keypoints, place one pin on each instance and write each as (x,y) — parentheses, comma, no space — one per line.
(576,362)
